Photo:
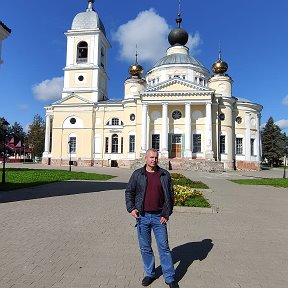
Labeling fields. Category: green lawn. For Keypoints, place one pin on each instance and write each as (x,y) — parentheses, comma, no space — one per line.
(277,182)
(22,178)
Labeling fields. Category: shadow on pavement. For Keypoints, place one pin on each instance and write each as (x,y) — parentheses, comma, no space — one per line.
(186,254)
(59,189)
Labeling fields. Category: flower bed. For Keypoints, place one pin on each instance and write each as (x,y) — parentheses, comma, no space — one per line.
(185,194)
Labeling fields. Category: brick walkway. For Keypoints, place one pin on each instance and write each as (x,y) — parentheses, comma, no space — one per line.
(79,235)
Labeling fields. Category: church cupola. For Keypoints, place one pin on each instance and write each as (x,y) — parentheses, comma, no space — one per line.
(134,84)
(136,70)
(221,82)
(178,36)
(220,67)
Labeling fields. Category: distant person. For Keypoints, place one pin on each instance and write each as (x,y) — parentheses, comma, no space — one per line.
(149,199)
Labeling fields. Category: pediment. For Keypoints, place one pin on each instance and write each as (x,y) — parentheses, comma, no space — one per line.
(177,85)
(72,99)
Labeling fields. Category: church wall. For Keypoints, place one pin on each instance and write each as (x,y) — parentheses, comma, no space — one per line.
(82,130)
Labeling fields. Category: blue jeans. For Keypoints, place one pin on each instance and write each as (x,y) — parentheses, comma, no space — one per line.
(146,223)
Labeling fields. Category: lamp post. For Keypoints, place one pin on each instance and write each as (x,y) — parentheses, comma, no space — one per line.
(5,125)
(70,161)
(285,161)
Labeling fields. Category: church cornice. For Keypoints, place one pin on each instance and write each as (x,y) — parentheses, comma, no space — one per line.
(176,94)
(83,67)
(72,95)
(251,105)
(174,81)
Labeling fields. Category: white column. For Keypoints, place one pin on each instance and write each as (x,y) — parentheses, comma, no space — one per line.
(164,136)
(144,128)
(188,128)
(258,137)
(47,136)
(248,137)
(208,128)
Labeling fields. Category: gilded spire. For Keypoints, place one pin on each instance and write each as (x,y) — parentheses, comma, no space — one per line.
(219,52)
(136,55)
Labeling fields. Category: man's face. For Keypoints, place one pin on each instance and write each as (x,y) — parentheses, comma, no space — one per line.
(151,159)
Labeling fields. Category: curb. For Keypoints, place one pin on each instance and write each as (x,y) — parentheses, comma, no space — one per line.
(199,210)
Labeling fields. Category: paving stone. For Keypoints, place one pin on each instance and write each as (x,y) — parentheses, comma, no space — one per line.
(78,234)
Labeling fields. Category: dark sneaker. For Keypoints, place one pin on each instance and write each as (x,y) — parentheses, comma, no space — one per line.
(147,281)
(173,284)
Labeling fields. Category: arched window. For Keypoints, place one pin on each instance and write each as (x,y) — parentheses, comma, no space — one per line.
(115,122)
(82,52)
(114,147)
(72,145)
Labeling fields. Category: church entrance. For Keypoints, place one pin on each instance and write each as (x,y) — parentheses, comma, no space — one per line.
(176,146)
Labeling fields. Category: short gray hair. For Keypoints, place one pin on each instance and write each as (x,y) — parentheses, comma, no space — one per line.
(151,150)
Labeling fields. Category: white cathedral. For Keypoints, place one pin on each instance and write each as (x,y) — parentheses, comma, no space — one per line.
(179,108)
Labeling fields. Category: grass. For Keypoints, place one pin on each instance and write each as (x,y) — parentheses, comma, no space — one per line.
(23,178)
(196,201)
(276,182)
(185,193)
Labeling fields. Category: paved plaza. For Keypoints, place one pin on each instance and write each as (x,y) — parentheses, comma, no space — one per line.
(77,234)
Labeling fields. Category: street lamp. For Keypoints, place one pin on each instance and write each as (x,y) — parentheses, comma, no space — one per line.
(70,161)
(5,125)
(285,161)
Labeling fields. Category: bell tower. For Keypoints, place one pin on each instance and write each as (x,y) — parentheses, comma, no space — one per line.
(85,73)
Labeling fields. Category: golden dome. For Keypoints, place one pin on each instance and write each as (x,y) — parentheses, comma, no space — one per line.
(219,67)
(135,70)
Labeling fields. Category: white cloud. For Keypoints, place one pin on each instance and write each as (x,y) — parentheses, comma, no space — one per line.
(285,100)
(283,124)
(149,32)
(49,89)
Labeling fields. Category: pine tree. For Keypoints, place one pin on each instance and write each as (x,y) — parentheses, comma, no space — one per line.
(36,136)
(273,143)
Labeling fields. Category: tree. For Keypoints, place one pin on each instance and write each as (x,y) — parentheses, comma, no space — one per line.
(273,143)
(16,131)
(36,136)
(2,119)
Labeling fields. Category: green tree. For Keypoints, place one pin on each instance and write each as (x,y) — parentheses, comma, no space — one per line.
(36,136)
(17,131)
(2,119)
(273,143)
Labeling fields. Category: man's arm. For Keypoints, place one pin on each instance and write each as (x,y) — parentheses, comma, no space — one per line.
(130,193)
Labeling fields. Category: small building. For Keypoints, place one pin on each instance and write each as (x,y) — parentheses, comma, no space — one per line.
(178,107)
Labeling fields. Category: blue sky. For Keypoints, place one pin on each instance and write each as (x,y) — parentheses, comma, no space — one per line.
(253,35)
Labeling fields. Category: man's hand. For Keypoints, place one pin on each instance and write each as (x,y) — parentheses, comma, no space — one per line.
(163,220)
(135,213)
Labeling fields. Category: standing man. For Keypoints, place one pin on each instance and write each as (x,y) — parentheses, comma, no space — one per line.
(149,199)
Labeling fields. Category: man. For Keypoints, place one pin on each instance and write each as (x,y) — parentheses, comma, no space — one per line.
(149,199)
